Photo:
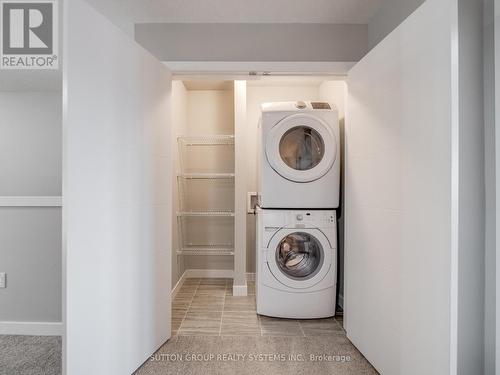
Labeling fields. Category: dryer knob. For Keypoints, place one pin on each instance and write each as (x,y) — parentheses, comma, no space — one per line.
(300,104)
(300,217)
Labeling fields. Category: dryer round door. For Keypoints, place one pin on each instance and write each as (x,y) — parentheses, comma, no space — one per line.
(299,258)
(301,148)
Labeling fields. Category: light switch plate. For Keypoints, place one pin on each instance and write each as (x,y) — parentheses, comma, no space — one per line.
(252,201)
(3,280)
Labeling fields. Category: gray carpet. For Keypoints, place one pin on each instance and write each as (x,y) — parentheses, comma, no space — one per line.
(30,355)
(190,355)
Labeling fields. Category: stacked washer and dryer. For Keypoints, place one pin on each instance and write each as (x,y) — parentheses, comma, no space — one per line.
(299,182)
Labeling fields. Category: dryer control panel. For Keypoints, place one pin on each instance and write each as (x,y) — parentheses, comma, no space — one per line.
(320,105)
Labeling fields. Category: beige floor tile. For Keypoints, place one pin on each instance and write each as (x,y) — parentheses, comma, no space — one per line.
(251,289)
(181,303)
(179,313)
(234,303)
(192,281)
(320,327)
(209,296)
(185,296)
(340,319)
(209,288)
(239,316)
(216,295)
(279,327)
(207,303)
(188,288)
(240,323)
(176,323)
(201,323)
(206,317)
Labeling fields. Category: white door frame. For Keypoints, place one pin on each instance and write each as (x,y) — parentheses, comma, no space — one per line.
(240,69)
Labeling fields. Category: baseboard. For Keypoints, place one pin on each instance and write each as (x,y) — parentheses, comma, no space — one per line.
(195,273)
(31,328)
(178,285)
(240,290)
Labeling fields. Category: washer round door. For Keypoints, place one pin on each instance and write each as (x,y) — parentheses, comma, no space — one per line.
(299,258)
(301,148)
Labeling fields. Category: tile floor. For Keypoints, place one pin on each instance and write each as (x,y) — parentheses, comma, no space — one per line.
(217,333)
(206,307)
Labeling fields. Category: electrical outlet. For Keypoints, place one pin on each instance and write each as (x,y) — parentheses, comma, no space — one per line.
(3,280)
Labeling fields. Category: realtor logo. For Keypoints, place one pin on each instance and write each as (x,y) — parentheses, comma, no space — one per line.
(29,34)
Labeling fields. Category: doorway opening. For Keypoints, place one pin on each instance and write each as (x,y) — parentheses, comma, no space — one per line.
(205,110)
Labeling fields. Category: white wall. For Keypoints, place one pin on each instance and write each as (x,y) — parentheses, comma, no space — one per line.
(210,112)
(430,189)
(336,92)
(30,143)
(471,246)
(497,177)
(240,188)
(117,197)
(253,42)
(30,251)
(398,224)
(490,194)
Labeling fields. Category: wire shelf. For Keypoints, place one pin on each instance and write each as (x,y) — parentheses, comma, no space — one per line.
(206,140)
(217,158)
(206,213)
(204,251)
(206,194)
(206,176)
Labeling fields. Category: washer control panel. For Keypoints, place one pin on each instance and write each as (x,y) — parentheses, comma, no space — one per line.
(312,216)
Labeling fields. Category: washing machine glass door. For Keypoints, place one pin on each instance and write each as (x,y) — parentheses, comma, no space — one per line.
(299,258)
(301,148)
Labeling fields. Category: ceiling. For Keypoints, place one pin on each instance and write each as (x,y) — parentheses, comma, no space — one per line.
(124,12)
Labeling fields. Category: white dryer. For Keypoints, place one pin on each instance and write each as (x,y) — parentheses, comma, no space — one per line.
(299,156)
(296,263)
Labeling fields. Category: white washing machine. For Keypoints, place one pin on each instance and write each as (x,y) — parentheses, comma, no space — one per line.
(296,263)
(299,156)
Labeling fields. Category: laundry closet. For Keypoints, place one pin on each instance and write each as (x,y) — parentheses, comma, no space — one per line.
(206,113)
(160,158)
